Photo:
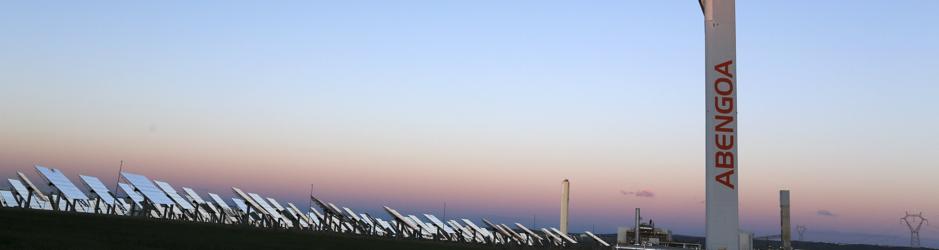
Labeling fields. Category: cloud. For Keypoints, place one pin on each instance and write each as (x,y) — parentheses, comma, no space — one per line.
(641,193)
(824,212)
(645,193)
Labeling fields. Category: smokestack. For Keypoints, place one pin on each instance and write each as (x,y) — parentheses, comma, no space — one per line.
(565,203)
(636,229)
(786,234)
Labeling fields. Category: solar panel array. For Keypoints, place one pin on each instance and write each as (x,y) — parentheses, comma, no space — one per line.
(314,219)
(42,197)
(277,209)
(193,195)
(169,191)
(138,195)
(197,199)
(299,213)
(219,201)
(274,204)
(19,188)
(63,184)
(129,191)
(527,231)
(401,219)
(316,214)
(98,188)
(564,236)
(24,196)
(147,189)
(247,201)
(426,229)
(549,234)
(260,201)
(439,224)
(8,199)
(594,237)
(123,204)
(351,214)
(240,204)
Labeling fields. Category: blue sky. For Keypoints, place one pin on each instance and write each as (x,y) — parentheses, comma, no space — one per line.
(537,91)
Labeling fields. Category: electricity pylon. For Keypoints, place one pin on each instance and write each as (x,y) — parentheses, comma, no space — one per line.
(801,230)
(914,219)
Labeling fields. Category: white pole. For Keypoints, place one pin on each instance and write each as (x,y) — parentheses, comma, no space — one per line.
(721,125)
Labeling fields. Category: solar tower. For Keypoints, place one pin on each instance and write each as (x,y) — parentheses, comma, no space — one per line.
(722,220)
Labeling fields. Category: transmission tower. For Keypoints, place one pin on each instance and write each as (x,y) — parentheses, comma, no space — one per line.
(914,219)
(801,230)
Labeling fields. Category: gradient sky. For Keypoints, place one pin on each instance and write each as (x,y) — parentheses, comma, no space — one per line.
(484,105)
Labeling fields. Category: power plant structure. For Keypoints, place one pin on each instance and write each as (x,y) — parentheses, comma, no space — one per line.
(722,226)
(646,236)
(785,233)
(638,240)
(565,204)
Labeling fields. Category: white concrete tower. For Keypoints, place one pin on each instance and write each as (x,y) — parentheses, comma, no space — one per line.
(722,210)
(786,229)
(565,203)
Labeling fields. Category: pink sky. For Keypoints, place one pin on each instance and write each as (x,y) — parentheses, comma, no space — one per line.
(511,182)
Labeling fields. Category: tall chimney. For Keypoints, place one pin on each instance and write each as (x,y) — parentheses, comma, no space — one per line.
(636,229)
(786,234)
(565,203)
